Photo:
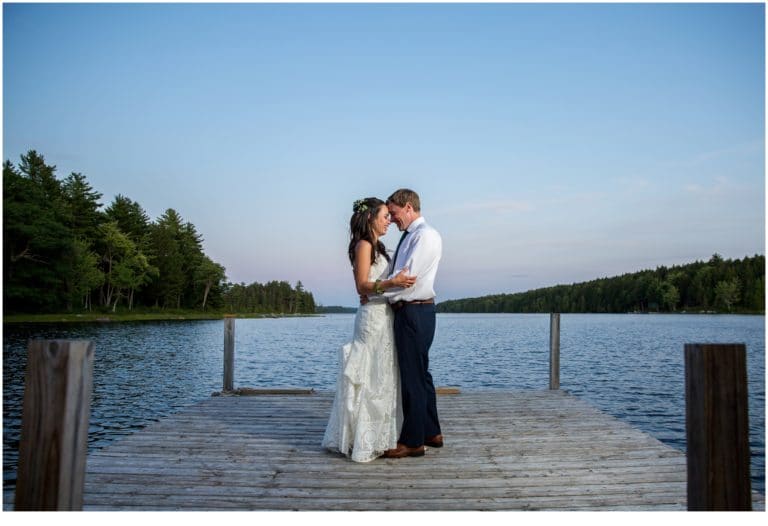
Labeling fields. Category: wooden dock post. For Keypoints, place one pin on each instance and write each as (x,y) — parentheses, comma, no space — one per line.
(717,427)
(229,353)
(54,425)
(554,350)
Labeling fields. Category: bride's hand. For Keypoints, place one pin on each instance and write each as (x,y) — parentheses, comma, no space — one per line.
(403,279)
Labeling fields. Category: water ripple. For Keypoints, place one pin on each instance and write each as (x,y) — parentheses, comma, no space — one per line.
(630,366)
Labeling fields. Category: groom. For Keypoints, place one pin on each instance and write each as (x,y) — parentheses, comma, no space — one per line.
(419,250)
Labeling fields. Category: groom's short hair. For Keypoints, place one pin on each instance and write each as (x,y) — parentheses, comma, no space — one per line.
(403,196)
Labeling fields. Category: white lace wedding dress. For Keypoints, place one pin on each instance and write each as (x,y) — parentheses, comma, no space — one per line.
(366,416)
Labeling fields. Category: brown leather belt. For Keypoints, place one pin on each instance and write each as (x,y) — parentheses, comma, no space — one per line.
(400,304)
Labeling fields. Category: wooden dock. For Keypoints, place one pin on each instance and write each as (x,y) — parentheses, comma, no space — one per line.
(522,450)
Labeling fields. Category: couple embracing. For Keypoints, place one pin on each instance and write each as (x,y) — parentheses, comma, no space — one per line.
(385,402)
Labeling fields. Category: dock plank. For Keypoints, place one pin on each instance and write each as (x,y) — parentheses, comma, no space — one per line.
(523,450)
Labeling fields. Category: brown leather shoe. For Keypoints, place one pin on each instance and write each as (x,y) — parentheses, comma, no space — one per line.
(402,451)
(435,441)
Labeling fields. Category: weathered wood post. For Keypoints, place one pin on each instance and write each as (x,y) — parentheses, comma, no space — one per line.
(717,427)
(229,353)
(54,425)
(554,350)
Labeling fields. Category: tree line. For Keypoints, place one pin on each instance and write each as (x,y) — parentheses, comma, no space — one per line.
(716,285)
(62,252)
(274,296)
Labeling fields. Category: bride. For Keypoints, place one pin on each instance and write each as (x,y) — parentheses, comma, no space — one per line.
(366,415)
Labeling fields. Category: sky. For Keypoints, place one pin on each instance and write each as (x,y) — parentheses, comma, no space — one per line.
(550,143)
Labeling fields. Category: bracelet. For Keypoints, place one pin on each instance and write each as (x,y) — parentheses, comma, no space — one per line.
(377,288)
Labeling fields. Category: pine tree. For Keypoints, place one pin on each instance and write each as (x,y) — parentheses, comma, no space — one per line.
(37,242)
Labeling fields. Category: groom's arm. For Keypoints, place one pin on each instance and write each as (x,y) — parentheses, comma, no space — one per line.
(421,259)
(427,250)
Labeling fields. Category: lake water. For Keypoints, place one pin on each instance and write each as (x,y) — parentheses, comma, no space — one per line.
(630,366)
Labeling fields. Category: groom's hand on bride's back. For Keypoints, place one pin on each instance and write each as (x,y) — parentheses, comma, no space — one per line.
(363,299)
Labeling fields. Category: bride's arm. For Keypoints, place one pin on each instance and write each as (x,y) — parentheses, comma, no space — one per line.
(362,267)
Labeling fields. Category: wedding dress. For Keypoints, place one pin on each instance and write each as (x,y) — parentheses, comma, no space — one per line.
(366,416)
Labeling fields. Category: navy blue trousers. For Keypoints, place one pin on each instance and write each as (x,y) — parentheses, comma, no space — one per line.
(414,332)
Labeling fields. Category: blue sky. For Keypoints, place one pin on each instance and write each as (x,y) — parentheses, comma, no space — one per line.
(550,143)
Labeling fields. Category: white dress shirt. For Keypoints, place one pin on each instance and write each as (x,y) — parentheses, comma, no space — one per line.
(420,251)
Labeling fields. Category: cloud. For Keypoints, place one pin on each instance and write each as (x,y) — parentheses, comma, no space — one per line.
(498,206)
(634,184)
(718,188)
(742,150)
(554,200)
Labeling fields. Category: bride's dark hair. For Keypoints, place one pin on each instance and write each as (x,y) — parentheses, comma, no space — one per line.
(364,211)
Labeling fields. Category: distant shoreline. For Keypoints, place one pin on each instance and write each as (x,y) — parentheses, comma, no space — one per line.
(335,309)
(129,317)
(201,316)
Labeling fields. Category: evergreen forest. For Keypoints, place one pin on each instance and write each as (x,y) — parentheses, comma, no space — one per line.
(64,252)
(717,285)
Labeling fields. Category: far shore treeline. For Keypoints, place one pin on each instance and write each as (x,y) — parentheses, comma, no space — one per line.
(63,253)
(718,285)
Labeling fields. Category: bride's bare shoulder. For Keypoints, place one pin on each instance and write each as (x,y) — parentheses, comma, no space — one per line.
(363,245)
